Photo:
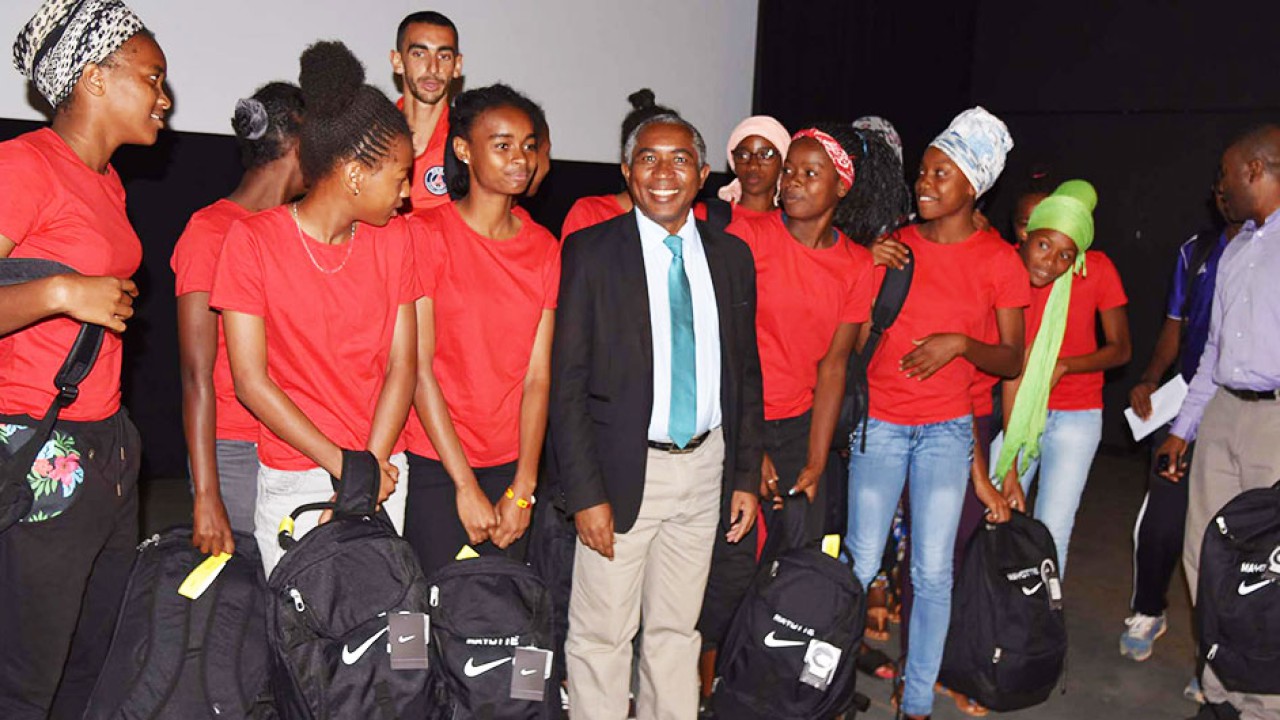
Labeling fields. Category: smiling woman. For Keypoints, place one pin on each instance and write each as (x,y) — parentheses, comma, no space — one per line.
(96,64)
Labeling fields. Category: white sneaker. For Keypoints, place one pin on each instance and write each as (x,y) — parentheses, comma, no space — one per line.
(1140,635)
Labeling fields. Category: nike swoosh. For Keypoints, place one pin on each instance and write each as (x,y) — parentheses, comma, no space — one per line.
(1247,589)
(472,670)
(406,638)
(350,656)
(1032,590)
(528,671)
(771,640)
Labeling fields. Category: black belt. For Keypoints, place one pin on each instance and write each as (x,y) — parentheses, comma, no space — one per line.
(675,449)
(1252,395)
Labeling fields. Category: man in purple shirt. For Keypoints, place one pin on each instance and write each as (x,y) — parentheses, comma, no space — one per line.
(1234,401)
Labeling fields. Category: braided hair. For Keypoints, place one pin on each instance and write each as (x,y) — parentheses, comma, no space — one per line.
(267,123)
(879,201)
(346,119)
(644,106)
(467,108)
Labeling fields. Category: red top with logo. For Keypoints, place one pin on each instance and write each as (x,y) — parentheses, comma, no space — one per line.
(428,188)
(195,258)
(58,208)
(1099,289)
(803,296)
(955,289)
(595,209)
(328,335)
(488,297)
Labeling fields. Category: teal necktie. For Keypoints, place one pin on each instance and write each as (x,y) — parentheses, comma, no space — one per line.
(684,376)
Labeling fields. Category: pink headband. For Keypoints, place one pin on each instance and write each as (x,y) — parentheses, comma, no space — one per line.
(767,128)
(839,158)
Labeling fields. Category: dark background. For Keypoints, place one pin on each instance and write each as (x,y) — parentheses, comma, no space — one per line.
(1139,98)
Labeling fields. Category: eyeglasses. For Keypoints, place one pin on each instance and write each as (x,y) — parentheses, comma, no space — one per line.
(764,155)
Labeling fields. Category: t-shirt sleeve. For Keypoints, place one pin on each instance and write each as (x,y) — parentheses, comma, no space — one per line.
(857,301)
(25,188)
(551,278)
(1012,285)
(410,283)
(239,280)
(1178,285)
(1110,289)
(195,258)
(427,253)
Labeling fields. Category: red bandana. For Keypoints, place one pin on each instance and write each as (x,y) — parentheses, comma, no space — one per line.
(839,158)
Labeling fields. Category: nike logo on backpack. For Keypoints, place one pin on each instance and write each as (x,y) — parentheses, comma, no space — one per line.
(1032,590)
(472,670)
(1247,589)
(349,656)
(771,640)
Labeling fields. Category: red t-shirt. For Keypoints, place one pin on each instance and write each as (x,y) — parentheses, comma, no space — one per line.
(595,209)
(328,335)
(983,384)
(428,188)
(954,290)
(1098,290)
(55,207)
(195,258)
(802,296)
(488,297)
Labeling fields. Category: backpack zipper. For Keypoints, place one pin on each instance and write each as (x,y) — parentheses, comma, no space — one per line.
(1213,651)
(297,600)
(995,659)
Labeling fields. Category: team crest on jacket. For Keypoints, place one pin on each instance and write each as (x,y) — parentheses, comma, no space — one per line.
(433,178)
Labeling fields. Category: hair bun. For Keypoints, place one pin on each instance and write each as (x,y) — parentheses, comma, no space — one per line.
(330,78)
(251,119)
(642,99)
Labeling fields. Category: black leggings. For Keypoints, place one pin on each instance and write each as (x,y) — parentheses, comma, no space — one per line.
(1158,535)
(62,579)
(431,523)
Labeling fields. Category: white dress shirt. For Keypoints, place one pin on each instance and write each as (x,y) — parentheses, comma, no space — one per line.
(706,324)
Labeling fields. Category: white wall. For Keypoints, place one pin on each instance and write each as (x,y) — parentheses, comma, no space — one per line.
(578,58)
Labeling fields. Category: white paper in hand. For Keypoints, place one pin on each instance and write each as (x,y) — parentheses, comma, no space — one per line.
(1165,404)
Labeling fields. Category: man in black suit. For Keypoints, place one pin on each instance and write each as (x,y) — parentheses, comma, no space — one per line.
(656,421)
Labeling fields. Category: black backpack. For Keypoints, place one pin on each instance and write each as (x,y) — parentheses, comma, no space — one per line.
(1238,597)
(183,659)
(804,604)
(329,600)
(16,495)
(1007,646)
(482,610)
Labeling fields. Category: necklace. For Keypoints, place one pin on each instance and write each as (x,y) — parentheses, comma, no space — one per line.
(351,238)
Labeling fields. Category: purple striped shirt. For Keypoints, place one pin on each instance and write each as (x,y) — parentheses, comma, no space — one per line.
(1243,349)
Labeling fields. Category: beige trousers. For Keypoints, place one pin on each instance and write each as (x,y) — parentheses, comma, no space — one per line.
(659,571)
(1237,449)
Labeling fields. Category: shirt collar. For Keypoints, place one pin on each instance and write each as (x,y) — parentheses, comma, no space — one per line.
(651,233)
(1251,227)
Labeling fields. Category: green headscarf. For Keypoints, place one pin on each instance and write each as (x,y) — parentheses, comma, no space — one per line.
(1069,210)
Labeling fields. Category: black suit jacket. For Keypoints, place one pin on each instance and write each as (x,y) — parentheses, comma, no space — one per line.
(602,367)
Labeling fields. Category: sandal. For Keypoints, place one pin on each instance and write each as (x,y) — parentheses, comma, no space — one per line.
(964,703)
(895,699)
(875,663)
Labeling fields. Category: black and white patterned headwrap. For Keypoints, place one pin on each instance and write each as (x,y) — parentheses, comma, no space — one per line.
(66,35)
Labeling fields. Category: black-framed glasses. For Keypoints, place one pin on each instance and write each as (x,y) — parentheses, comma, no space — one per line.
(764,155)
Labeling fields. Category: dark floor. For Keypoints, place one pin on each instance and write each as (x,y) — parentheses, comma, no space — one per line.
(1100,684)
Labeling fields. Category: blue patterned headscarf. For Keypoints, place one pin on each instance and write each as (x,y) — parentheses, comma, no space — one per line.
(977,142)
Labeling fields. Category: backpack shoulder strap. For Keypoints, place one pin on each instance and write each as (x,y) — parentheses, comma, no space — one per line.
(889,302)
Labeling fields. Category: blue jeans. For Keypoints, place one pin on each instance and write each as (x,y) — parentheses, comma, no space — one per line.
(1067,448)
(937,458)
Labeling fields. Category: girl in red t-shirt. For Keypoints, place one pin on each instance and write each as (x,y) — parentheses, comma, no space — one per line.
(317,300)
(103,74)
(920,414)
(757,147)
(1053,412)
(490,278)
(222,435)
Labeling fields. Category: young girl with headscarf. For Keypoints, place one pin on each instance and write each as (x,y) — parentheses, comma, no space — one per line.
(920,414)
(63,567)
(757,147)
(1054,410)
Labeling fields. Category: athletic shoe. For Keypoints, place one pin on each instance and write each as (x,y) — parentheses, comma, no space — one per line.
(1140,635)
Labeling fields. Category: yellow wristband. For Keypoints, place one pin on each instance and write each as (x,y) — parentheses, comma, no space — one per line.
(521,503)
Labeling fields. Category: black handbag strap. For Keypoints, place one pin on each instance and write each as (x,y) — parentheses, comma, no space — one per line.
(75,368)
